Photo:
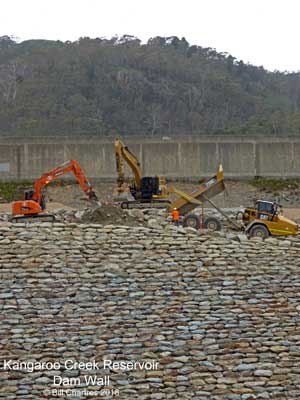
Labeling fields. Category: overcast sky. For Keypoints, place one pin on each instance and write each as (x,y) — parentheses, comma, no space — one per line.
(262,32)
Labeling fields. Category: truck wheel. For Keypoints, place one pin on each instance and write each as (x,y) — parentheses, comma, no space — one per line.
(259,231)
(212,224)
(192,221)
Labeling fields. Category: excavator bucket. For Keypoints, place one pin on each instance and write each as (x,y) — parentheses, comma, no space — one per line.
(122,193)
(95,205)
(94,200)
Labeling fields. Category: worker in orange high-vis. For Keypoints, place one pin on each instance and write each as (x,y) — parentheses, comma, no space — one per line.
(175,216)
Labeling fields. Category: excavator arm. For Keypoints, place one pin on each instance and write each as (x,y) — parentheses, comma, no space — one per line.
(65,168)
(123,153)
(145,189)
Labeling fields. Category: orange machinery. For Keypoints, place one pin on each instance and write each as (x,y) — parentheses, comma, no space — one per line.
(34,203)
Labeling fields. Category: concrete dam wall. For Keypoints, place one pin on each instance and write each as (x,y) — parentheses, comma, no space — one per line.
(172,157)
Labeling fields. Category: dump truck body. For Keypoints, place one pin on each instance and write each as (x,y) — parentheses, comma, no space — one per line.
(208,189)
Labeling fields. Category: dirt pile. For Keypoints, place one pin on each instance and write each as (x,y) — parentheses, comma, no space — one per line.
(109,214)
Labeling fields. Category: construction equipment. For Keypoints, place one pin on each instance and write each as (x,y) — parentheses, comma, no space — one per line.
(265,219)
(139,190)
(261,221)
(34,203)
(188,202)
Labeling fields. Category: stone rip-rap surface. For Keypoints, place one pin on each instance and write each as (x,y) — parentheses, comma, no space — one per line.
(220,316)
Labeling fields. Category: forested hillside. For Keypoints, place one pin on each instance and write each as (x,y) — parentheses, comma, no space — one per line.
(118,85)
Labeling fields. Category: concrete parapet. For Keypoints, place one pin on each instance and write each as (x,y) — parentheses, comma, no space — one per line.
(173,157)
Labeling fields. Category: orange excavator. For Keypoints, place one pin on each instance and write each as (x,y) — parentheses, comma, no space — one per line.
(34,203)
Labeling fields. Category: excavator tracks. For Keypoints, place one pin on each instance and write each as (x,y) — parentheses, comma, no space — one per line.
(127,205)
(35,218)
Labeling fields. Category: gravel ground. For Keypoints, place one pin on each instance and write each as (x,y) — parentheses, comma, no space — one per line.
(237,193)
(219,315)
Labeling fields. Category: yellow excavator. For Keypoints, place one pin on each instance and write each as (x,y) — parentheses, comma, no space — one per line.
(138,190)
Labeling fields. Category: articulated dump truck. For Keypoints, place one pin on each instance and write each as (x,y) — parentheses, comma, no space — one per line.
(261,221)
(202,194)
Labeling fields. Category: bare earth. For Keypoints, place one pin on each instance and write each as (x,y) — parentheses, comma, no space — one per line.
(238,194)
(292,213)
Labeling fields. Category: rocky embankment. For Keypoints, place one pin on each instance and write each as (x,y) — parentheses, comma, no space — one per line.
(220,315)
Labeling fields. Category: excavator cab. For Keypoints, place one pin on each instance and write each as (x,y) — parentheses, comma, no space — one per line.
(28,195)
(149,187)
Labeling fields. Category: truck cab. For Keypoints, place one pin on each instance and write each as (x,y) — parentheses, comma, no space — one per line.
(265,219)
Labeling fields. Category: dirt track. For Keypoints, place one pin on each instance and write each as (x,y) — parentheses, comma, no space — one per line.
(238,194)
(292,213)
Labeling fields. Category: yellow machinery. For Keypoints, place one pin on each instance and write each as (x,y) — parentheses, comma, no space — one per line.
(139,190)
(261,221)
(188,202)
(265,219)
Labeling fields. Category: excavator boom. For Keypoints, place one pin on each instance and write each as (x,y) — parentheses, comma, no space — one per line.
(63,169)
(123,153)
(141,189)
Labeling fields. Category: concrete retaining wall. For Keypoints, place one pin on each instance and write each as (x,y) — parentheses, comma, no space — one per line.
(178,157)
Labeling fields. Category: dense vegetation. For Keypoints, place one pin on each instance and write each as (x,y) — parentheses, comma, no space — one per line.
(118,85)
